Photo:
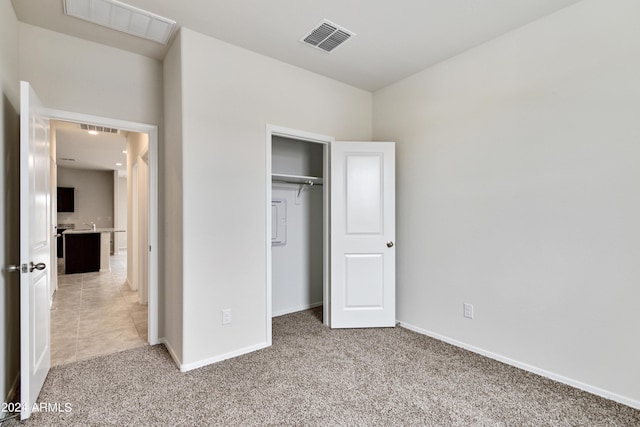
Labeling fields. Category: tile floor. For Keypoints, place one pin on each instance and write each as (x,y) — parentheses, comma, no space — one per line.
(94,314)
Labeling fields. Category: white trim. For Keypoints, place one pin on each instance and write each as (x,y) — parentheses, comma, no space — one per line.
(326,240)
(208,361)
(133,213)
(296,309)
(271,131)
(268,202)
(526,367)
(152,131)
(153,291)
(301,135)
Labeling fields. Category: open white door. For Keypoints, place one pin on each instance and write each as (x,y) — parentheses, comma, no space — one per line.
(362,235)
(35,249)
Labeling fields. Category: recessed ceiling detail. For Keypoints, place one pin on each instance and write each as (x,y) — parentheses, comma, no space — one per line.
(327,36)
(97,128)
(122,17)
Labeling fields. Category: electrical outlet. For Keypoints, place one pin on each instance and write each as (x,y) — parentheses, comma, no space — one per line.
(226,316)
(468,311)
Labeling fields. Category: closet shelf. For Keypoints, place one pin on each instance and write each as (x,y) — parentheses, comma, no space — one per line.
(296,179)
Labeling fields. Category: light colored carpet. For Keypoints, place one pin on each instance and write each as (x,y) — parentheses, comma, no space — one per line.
(316,376)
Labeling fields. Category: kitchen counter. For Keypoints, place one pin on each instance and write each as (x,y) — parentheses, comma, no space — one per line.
(84,253)
(89,230)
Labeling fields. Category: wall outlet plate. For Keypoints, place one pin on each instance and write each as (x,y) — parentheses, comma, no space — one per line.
(226,316)
(468,311)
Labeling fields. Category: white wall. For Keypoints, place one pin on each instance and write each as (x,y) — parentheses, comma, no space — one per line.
(171,181)
(93,197)
(518,192)
(76,75)
(9,200)
(229,95)
(297,265)
(291,157)
(143,228)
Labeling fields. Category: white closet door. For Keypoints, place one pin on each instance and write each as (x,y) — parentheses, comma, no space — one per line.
(362,234)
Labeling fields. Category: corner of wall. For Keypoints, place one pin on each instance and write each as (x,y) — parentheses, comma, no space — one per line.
(170,184)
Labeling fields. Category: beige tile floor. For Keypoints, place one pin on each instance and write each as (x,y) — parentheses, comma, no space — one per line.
(94,314)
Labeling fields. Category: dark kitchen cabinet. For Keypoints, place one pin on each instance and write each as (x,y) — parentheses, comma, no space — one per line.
(82,253)
(66,199)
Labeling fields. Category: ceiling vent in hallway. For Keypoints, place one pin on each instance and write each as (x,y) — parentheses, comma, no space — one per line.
(97,128)
(122,17)
(327,36)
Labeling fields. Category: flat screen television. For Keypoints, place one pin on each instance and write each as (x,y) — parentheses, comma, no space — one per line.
(65,199)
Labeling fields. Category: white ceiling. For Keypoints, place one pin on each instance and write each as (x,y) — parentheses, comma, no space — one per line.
(96,152)
(394,38)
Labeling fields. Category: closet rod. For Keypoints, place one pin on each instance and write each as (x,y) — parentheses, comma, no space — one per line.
(284,181)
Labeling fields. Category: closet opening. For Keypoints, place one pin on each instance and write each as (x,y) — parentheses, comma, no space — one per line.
(297,223)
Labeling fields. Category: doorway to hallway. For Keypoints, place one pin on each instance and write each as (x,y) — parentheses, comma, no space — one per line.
(121,257)
(99,312)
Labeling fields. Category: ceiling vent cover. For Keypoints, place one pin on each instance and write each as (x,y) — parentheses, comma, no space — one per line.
(327,36)
(98,128)
(122,17)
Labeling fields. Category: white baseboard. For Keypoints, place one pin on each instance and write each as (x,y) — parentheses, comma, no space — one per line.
(190,366)
(220,358)
(295,309)
(553,376)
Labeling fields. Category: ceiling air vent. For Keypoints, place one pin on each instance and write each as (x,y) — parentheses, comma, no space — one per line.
(122,17)
(327,36)
(97,128)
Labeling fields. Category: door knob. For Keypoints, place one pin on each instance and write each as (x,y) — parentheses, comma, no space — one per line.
(38,266)
(389,244)
(15,268)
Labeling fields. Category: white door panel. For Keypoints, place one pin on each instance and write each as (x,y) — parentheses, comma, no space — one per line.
(35,249)
(363,193)
(362,225)
(364,283)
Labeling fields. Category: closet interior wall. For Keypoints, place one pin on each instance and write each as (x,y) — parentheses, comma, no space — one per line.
(297,256)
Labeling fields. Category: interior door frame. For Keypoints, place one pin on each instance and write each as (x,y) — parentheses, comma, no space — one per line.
(152,131)
(134,284)
(271,131)
(143,236)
